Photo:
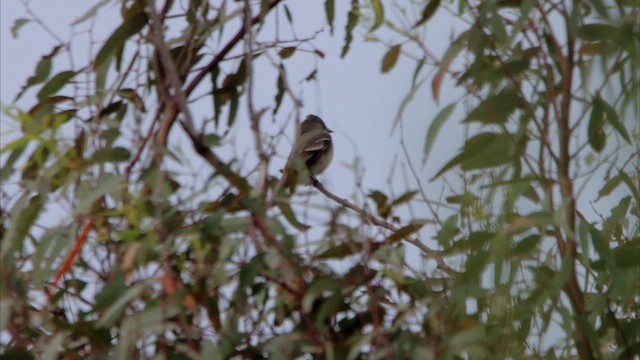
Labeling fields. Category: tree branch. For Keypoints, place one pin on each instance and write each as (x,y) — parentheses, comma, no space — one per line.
(427,251)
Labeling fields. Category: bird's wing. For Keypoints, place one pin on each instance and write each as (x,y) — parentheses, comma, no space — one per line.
(319,144)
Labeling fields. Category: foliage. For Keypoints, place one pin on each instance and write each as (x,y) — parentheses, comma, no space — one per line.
(193,252)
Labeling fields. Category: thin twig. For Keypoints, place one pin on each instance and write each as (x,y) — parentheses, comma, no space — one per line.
(431,253)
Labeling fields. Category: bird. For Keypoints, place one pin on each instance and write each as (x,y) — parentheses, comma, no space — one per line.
(312,147)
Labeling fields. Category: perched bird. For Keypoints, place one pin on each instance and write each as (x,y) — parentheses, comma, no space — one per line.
(313,148)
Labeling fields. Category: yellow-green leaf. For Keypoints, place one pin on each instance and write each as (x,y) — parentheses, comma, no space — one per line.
(428,12)
(390,58)
(378,10)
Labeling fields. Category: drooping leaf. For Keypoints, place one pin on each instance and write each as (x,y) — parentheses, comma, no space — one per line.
(287,52)
(597,136)
(602,247)
(415,85)
(352,21)
(406,100)
(340,251)
(428,12)
(42,72)
(598,32)
(132,96)
(467,337)
(23,214)
(382,203)
(287,13)
(234,100)
(17,25)
(496,108)
(56,83)
(90,13)
(113,155)
(115,43)
(610,185)
(290,215)
(378,10)
(117,308)
(111,292)
(329,8)
(390,58)
(107,184)
(434,129)
(281,88)
(318,288)
(482,151)
(612,118)
(251,270)
(405,231)
(264,9)
(450,55)
(406,197)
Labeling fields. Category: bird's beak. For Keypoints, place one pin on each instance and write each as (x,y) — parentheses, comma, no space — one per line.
(329,130)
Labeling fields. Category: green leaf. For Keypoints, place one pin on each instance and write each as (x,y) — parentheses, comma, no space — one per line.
(117,308)
(111,292)
(484,150)
(382,203)
(249,271)
(352,21)
(619,213)
(264,9)
(526,245)
(464,338)
(450,55)
(598,32)
(19,23)
(290,215)
(133,98)
(496,108)
(287,52)
(611,115)
(116,41)
(51,247)
(116,154)
(42,72)
(428,12)
(23,214)
(287,13)
(597,136)
(602,247)
(233,108)
(406,100)
(340,251)
(434,129)
(90,13)
(329,9)
(281,88)
(406,231)
(211,140)
(390,58)
(378,10)
(406,197)
(317,288)
(562,275)
(17,148)
(56,83)
(107,184)
(610,185)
